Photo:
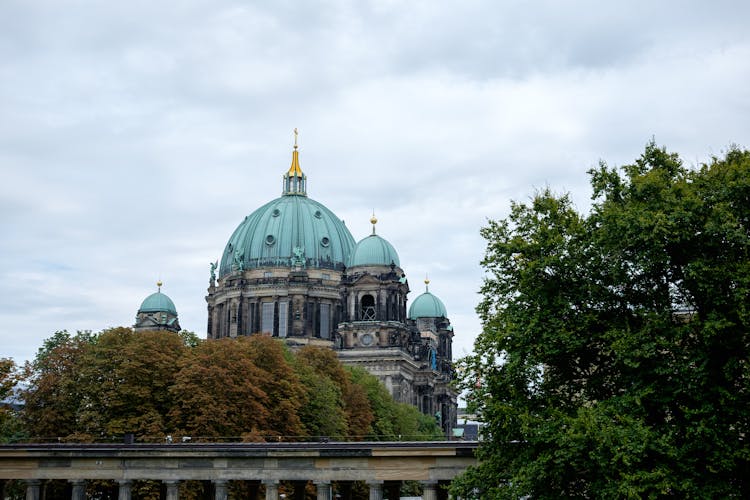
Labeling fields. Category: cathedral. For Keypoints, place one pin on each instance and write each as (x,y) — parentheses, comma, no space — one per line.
(292,270)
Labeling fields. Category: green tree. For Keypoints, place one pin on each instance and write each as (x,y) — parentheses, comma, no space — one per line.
(54,396)
(614,358)
(10,425)
(126,378)
(393,420)
(99,387)
(350,409)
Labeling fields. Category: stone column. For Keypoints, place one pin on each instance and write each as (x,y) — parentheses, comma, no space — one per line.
(376,490)
(324,490)
(220,489)
(79,489)
(430,490)
(125,489)
(272,489)
(33,489)
(173,490)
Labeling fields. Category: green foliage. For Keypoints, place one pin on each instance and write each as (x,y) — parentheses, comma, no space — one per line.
(100,387)
(55,393)
(614,356)
(11,428)
(393,421)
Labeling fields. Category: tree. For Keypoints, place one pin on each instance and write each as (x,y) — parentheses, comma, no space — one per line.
(614,359)
(392,420)
(10,428)
(94,387)
(126,378)
(351,405)
(218,391)
(55,395)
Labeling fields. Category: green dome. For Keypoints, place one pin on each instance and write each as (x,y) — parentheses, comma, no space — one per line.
(374,251)
(427,306)
(158,302)
(280,229)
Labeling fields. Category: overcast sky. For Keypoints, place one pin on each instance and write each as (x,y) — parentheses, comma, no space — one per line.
(135,136)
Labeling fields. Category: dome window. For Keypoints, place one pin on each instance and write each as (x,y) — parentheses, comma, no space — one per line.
(318,214)
(270,240)
(276,212)
(230,248)
(325,241)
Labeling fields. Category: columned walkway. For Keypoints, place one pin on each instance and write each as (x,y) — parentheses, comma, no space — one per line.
(381,466)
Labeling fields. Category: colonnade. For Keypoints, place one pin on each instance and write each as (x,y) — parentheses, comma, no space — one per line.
(324,489)
(381,466)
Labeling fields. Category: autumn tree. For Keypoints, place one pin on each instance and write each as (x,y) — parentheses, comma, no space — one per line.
(218,391)
(614,359)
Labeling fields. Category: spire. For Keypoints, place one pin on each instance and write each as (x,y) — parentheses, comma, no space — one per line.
(426,284)
(373,221)
(158,286)
(295,182)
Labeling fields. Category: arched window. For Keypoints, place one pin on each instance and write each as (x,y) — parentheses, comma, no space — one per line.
(368,308)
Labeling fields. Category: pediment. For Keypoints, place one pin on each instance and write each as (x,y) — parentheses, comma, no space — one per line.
(367,279)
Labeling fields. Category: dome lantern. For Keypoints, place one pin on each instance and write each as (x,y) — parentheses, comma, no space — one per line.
(295,182)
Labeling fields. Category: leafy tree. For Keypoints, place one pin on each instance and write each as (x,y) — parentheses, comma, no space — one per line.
(218,391)
(322,412)
(55,393)
(614,358)
(347,405)
(280,383)
(7,377)
(10,425)
(127,377)
(393,420)
(94,387)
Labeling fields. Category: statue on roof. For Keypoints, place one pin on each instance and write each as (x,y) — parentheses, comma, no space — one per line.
(214,265)
(298,260)
(239,260)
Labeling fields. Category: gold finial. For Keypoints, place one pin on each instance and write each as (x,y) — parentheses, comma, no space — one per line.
(426,283)
(373,221)
(158,286)
(295,170)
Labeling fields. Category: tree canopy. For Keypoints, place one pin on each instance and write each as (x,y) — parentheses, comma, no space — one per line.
(614,357)
(93,387)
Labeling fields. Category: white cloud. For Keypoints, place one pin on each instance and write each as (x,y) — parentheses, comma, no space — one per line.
(135,136)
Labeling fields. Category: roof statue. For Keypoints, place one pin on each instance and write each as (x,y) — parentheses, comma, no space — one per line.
(214,265)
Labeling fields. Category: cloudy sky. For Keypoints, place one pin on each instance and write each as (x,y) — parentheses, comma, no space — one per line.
(135,136)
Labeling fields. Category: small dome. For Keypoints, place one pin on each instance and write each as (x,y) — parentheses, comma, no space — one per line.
(427,306)
(374,251)
(158,302)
